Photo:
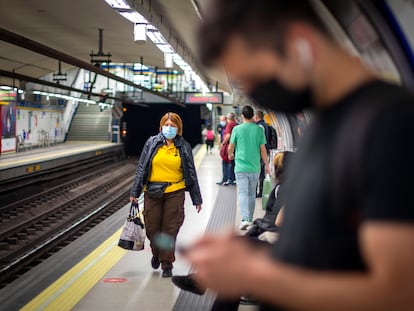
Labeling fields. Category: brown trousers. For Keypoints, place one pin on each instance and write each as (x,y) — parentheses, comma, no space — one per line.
(164,215)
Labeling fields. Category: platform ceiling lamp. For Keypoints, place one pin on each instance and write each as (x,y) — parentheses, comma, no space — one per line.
(140,33)
(169,60)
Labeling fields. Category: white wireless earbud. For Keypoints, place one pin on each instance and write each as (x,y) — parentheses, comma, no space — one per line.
(305,53)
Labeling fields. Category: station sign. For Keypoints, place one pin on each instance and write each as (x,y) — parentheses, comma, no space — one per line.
(204,98)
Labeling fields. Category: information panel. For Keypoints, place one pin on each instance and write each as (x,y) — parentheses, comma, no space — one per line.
(204,98)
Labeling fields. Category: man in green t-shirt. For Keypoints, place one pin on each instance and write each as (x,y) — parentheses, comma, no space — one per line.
(249,141)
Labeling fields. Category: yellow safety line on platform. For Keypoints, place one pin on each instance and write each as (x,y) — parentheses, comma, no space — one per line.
(199,156)
(71,287)
(52,155)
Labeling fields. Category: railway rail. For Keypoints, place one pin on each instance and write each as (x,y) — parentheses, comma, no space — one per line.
(34,228)
(12,189)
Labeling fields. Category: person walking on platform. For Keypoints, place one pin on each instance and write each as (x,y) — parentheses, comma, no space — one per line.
(165,170)
(209,137)
(229,177)
(347,237)
(247,146)
(259,118)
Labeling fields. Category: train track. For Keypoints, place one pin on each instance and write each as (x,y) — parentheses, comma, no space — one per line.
(38,226)
(12,190)
(17,208)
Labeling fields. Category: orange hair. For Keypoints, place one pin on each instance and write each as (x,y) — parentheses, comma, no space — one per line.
(176,119)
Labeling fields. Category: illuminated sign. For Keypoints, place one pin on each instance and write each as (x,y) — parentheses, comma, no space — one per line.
(6,97)
(204,98)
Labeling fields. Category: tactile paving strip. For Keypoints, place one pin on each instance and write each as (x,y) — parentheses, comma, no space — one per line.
(223,216)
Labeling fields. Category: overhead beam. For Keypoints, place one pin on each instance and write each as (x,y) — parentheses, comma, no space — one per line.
(18,76)
(37,47)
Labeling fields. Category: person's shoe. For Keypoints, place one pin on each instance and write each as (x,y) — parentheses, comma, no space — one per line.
(227,183)
(220,183)
(247,301)
(155,262)
(259,195)
(245,224)
(188,284)
(167,273)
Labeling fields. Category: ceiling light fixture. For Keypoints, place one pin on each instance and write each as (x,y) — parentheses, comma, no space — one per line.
(168,60)
(140,33)
(118,4)
(156,36)
(134,17)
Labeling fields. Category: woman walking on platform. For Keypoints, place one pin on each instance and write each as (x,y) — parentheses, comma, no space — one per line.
(165,170)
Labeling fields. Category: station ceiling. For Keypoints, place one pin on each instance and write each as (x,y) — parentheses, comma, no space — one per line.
(71,27)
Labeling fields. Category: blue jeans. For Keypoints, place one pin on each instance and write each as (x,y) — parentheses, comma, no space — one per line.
(246,192)
(228,171)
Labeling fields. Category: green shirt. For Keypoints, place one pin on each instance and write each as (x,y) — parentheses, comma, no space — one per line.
(247,138)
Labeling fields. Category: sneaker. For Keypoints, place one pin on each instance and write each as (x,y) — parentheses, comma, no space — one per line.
(167,273)
(245,224)
(188,284)
(155,262)
(227,183)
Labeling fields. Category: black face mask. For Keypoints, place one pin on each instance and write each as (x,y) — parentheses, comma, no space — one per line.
(273,96)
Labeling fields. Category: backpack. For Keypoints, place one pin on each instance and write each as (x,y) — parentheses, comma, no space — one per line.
(210,135)
(271,137)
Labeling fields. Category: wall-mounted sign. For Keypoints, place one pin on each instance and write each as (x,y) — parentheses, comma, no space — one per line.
(8,121)
(6,97)
(204,98)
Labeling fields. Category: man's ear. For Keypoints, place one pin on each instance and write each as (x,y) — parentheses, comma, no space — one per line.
(301,39)
(305,52)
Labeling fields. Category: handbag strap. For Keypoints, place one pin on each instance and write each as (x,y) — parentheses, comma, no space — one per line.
(134,210)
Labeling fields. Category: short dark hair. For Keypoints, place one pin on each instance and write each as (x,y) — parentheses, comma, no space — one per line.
(248,112)
(262,23)
(260,114)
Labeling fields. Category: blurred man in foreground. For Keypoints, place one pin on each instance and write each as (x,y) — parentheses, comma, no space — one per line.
(346,242)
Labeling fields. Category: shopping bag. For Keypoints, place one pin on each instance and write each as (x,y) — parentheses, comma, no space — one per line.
(133,236)
(267,189)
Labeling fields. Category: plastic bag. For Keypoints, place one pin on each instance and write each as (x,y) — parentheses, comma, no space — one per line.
(267,189)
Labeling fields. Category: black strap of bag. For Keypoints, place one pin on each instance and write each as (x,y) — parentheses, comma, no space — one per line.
(155,190)
(134,214)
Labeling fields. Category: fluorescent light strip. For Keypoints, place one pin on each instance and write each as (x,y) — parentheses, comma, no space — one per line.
(165,48)
(156,37)
(153,33)
(57,95)
(134,17)
(118,4)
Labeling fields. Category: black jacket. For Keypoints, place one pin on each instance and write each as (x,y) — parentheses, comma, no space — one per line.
(187,162)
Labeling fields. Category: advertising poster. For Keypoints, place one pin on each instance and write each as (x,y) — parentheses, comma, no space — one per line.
(8,121)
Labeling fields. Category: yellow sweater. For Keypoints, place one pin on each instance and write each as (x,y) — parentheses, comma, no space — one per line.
(166,167)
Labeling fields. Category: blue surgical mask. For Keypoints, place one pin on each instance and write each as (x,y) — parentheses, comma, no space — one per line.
(223,123)
(169,132)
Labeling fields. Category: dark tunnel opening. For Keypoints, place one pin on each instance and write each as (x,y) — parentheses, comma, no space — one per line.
(141,123)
